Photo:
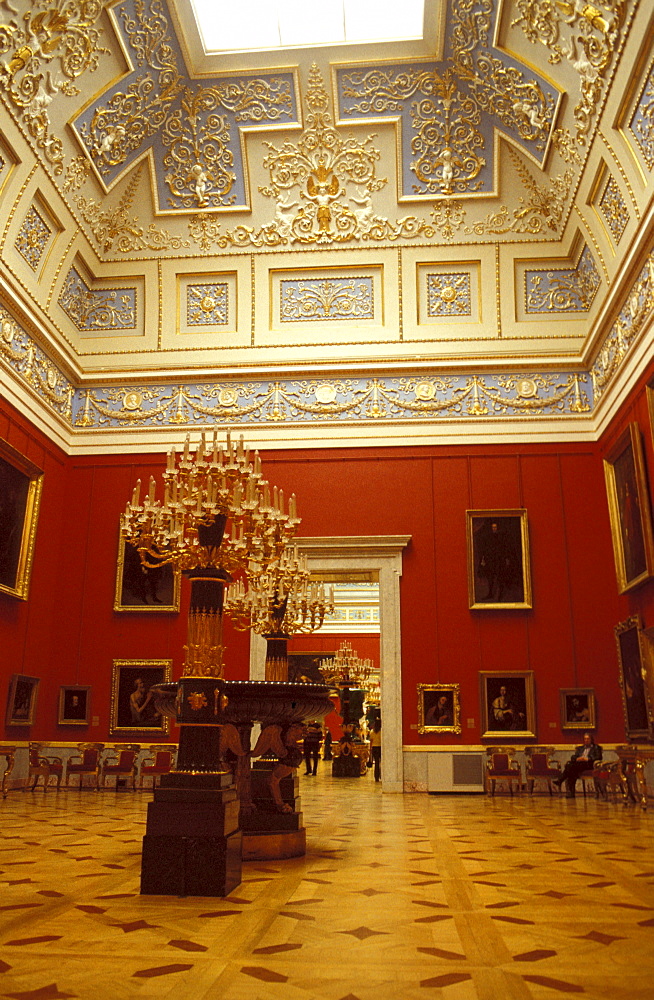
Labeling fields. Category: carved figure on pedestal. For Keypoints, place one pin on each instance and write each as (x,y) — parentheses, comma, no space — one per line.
(284,743)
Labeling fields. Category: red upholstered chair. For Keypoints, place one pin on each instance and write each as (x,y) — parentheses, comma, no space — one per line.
(120,763)
(540,767)
(86,762)
(501,766)
(41,765)
(160,762)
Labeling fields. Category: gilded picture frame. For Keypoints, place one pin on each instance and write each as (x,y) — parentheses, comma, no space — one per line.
(577,708)
(634,681)
(21,700)
(439,708)
(144,590)
(21,486)
(499,572)
(74,705)
(132,706)
(508,704)
(629,510)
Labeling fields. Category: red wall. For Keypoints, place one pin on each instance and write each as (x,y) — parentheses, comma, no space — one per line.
(68,633)
(366,647)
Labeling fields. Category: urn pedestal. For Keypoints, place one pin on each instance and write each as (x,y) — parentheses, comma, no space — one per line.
(192,845)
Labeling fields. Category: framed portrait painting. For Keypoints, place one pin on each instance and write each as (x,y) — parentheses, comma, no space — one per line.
(140,588)
(21,703)
(21,484)
(74,705)
(508,705)
(577,708)
(636,701)
(629,510)
(133,708)
(305,667)
(499,575)
(439,708)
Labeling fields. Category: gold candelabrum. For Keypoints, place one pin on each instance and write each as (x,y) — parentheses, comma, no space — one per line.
(346,669)
(217,517)
(280,602)
(373,692)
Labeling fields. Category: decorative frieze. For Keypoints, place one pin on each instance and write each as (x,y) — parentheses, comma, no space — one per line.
(365,399)
(369,399)
(635,313)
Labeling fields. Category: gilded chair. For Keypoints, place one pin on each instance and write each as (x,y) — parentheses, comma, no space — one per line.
(540,767)
(160,761)
(9,754)
(42,765)
(501,766)
(87,761)
(120,762)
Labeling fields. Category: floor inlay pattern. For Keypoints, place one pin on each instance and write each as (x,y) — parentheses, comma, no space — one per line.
(503,899)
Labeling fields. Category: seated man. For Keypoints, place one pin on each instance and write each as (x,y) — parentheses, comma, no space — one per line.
(582,759)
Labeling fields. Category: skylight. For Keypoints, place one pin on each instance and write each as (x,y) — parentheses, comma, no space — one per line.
(246,25)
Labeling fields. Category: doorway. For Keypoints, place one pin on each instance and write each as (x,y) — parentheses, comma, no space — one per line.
(381,554)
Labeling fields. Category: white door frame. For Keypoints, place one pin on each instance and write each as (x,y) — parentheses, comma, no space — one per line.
(381,554)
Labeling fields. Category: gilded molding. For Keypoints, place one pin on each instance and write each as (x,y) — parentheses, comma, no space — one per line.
(322,186)
(326,299)
(539,211)
(448,111)
(76,173)
(192,130)
(97,309)
(42,54)
(636,311)
(115,230)
(613,208)
(623,174)
(207,304)
(586,36)
(31,365)
(641,123)
(33,237)
(562,290)
(448,294)
(298,401)
(416,399)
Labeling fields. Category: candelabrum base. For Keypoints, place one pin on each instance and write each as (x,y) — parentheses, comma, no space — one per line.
(192,845)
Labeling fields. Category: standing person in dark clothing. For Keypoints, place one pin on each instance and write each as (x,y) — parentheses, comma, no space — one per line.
(375,747)
(312,741)
(327,744)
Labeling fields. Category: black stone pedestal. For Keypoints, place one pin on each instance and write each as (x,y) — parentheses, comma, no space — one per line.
(192,844)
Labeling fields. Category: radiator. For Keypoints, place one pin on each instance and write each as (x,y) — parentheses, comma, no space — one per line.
(455,772)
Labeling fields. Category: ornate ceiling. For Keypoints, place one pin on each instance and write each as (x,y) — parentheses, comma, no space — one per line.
(402,242)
